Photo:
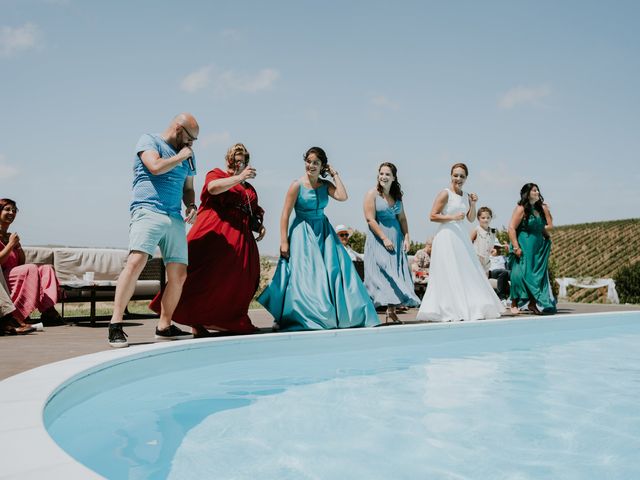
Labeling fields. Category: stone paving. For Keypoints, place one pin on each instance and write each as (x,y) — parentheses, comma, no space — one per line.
(21,353)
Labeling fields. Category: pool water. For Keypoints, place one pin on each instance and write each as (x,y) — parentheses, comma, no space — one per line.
(552,397)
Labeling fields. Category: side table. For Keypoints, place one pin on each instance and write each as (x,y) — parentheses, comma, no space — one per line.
(91,288)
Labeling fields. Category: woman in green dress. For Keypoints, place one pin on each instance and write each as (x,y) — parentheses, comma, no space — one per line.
(530,249)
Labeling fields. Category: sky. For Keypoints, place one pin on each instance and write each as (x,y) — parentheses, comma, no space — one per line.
(540,91)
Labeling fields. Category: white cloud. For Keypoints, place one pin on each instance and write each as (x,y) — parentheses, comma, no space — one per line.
(17,39)
(381,101)
(228,81)
(6,171)
(521,95)
(263,80)
(216,138)
(197,80)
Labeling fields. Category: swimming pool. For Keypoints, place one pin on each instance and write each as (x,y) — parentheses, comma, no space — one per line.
(549,397)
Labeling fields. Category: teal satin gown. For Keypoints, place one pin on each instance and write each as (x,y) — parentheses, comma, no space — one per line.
(530,272)
(318,287)
(387,275)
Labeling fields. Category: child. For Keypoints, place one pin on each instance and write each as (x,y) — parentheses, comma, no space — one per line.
(483,237)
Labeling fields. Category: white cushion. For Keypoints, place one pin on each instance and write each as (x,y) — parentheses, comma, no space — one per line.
(70,264)
(38,255)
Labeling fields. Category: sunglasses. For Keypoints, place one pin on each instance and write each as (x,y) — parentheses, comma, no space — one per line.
(343,235)
(191,137)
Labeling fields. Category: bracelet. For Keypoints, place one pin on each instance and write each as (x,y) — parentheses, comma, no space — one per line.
(192,205)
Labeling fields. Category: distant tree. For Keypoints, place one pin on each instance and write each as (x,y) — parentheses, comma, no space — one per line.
(628,283)
(502,236)
(414,247)
(356,241)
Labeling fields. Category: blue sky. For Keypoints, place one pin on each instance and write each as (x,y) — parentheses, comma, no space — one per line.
(543,91)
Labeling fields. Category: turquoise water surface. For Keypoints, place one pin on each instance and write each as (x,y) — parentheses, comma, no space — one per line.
(552,397)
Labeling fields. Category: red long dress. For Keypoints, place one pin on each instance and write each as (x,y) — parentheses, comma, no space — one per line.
(224,264)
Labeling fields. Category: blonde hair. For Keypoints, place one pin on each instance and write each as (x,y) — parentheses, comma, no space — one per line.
(238,148)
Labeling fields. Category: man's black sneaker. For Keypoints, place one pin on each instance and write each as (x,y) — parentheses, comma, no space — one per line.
(172,333)
(117,337)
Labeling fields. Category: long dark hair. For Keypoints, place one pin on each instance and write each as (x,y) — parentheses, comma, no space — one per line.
(395,191)
(7,201)
(322,156)
(528,208)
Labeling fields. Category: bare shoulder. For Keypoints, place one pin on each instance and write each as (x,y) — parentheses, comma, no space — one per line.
(518,212)
(295,186)
(442,194)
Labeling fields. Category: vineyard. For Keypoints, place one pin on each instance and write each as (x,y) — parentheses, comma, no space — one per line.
(595,250)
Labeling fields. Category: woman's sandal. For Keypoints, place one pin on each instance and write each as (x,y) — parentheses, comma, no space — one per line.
(533,308)
(393,317)
(24,329)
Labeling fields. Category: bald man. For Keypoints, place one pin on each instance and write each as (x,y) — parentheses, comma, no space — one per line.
(163,171)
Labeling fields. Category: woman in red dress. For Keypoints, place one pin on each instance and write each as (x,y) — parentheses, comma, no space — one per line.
(224,264)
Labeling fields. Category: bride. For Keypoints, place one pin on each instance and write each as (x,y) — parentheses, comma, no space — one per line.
(458,288)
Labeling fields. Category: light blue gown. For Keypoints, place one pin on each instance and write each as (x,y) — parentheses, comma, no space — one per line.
(318,287)
(386,274)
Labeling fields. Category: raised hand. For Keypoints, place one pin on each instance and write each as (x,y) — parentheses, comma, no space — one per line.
(247,173)
(14,240)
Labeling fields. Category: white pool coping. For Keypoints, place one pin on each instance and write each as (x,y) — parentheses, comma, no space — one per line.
(28,452)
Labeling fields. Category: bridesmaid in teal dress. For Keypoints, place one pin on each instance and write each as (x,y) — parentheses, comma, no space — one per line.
(315,285)
(530,250)
(386,268)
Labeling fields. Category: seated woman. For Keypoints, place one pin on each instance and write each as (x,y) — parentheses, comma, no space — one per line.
(421,262)
(8,324)
(32,287)
(344,233)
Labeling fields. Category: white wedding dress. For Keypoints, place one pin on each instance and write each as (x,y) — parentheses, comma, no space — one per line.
(458,287)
